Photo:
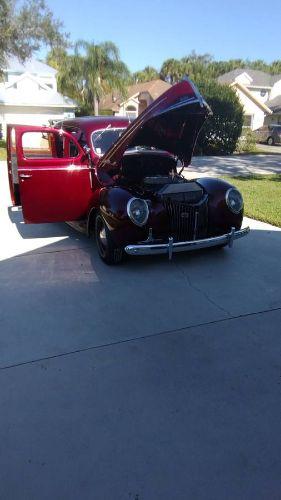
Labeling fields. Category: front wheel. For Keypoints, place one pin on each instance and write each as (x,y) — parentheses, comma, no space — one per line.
(108,251)
(270,141)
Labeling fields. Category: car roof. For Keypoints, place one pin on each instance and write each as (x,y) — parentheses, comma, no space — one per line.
(90,123)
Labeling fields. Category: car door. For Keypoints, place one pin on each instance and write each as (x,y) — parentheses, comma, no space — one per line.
(49,174)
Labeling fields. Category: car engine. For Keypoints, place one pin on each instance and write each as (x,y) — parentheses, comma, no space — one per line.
(155,176)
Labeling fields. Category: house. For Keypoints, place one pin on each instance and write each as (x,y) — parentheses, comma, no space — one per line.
(139,97)
(275,105)
(29,96)
(257,92)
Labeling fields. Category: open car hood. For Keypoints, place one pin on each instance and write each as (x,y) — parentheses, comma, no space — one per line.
(171,123)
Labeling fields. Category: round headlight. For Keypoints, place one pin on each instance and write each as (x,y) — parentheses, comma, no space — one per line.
(138,211)
(234,200)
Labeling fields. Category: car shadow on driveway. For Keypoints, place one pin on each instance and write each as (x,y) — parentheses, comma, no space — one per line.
(60,297)
(46,230)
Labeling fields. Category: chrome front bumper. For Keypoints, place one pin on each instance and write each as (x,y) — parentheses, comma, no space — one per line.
(185,246)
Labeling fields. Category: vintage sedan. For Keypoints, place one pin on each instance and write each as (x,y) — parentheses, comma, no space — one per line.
(122,183)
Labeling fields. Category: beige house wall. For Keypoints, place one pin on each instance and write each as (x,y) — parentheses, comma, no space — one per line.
(257,94)
(132,102)
(138,102)
(21,115)
(276,90)
(250,108)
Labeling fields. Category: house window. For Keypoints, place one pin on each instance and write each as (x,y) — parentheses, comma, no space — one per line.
(131,112)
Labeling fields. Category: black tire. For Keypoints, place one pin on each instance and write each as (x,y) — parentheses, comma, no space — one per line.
(108,251)
(270,141)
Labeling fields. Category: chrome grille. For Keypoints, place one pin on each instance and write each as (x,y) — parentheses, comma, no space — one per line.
(187,222)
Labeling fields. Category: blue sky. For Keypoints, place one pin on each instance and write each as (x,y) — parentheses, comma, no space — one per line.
(149,31)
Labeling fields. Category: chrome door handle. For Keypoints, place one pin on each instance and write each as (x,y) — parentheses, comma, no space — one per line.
(25,176)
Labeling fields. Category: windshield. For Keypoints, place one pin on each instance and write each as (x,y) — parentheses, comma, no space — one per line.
(102,140)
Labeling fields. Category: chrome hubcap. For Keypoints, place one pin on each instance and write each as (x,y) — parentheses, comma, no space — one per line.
(102,237)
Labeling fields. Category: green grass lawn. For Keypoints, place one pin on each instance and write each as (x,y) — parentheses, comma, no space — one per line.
(262,196)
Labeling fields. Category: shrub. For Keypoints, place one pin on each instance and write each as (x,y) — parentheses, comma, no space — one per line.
(221,131)
(105,112)
(247,142)
(2,143)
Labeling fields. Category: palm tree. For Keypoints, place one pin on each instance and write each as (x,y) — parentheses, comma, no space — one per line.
(146,75)
(91,72)
(172,70)
(69,77)
(102,72)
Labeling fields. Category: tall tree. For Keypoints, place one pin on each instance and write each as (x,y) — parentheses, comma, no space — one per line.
(196,66)
(25,26)
(275,67)
(146,75)
(69,76)
(202,67)
(91,72)
(172,70)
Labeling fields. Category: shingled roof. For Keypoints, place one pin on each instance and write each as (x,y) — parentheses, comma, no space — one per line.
(32,66)
(259,78)
(155,88)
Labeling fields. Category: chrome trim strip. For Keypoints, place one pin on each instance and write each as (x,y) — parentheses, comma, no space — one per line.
(67,168)
(197,93)
(195,225)
(180,104)
(184,246)
(149,238)
(170,248)
(231,237)
(25,176)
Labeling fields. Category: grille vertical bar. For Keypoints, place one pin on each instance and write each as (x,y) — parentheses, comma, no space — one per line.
(187,222)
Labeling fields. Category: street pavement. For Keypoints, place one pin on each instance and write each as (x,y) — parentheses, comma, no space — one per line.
(151,380)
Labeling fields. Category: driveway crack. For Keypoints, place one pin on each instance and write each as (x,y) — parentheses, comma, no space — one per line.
(198,289)
(137,339)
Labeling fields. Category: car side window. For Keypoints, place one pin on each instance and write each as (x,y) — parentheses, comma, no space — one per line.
(46,145)
(80,138)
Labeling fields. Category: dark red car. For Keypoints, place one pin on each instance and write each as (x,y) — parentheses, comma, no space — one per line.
(122,182)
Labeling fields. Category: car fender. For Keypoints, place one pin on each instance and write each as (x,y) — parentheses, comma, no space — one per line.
(113,208)
(220,217)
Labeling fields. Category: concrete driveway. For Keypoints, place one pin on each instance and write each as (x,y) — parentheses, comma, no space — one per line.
(236,164)
(152,380)
(276,149)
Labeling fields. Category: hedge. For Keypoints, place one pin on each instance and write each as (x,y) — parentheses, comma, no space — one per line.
(220,133)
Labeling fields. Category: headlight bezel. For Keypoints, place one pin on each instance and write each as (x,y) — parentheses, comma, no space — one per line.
(129,212)
(228,203)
